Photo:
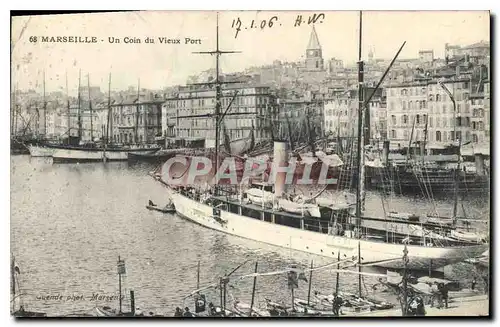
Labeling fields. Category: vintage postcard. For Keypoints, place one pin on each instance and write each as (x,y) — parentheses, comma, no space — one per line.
(250,164)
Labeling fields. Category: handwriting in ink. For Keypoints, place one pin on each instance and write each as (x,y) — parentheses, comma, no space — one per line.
(239,25)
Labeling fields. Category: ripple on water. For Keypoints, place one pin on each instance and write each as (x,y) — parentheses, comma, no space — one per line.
(69,224)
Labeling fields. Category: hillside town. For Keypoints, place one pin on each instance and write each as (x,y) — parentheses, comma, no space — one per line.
(409,98)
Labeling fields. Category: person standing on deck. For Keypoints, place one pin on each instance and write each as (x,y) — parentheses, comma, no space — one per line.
(444,294)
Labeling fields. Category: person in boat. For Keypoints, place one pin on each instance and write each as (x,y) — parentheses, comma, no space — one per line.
(337,304)
(187,313)
(211,309)
(443,289)
(151,204)
(436,296)
(416,307)
(178,312)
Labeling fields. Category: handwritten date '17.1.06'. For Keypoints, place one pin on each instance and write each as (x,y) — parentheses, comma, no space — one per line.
(239,25)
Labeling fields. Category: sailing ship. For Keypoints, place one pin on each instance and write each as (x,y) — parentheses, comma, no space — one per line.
(18,309)
(335,232)
(92,151)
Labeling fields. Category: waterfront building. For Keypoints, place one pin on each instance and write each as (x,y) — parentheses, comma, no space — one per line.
(136,120)
(407,110)
(377,108)
(341,114)
(409,105)
(255,103)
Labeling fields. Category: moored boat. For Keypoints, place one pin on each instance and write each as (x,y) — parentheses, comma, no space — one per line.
(94,154)
(166,209)
(40,150)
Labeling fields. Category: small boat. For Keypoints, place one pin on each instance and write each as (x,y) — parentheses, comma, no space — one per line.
(159,156)
(299,208)
(21,313)
(107,312)
(467,236)
(243,309)
(260,197)
(167,209)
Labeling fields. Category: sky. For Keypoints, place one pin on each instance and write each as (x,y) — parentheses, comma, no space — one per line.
(158,65)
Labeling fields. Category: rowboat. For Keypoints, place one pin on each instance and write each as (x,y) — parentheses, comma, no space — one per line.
(168,209)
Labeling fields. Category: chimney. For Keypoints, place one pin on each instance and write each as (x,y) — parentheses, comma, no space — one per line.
(280,159)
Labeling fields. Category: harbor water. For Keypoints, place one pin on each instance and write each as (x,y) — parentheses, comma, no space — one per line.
(70,222)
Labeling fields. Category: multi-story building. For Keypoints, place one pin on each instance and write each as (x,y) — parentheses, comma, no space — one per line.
(479,49)
(426,56)
(251,108)
(136,120)
(480,120)
(91,129)
(415,106)
(407,110)
(341,114)
(377,108)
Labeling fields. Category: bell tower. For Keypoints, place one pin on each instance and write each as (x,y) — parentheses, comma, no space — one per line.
(314,56)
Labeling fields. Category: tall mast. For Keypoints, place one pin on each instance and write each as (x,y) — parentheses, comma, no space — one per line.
(218,93)
(425,138)
(69,110)
(44,108)
(79,107)
(13,280)
(109,109)
(360,123)
(90,110)
(137,111)
(217,96)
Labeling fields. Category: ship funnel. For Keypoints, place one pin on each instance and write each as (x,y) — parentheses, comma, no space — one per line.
(280,159)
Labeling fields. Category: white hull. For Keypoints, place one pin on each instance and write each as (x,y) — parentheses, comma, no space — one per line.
(85,155)
(377,253)
(40,151)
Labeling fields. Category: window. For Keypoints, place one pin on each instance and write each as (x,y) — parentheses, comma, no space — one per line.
(438,136)
(405,120)
(475,138)
(404,105)
(418,119)
(393,134)
(406,135)
(431,97)
(438,98)
(410,105)
(430,121)
(444,108)
(424,104)
(393,120)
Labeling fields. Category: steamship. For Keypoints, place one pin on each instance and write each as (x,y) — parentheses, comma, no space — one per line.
(337,231)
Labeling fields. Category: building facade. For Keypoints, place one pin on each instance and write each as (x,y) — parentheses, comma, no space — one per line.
(407,110)
(341,114)
(136,120)
(251,108)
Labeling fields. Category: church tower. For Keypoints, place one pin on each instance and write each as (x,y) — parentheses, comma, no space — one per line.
(314,57)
